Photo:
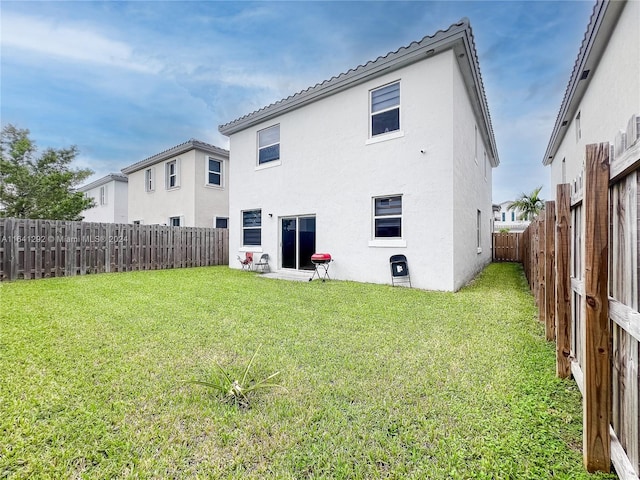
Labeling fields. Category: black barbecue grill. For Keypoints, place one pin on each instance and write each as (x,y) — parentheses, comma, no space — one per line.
(321,263)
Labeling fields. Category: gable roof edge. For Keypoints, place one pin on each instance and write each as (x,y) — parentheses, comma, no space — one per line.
(441,40)
(116,177)
(191,144)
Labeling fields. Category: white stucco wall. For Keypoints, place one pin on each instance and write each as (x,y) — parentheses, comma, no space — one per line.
(210,201)
(114,210)
(196,203)
(330,169)
(471,190)
(613,95)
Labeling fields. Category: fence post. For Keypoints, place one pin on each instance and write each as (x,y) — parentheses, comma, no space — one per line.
(540,268)
(550,271)
(563,281)
(597,349)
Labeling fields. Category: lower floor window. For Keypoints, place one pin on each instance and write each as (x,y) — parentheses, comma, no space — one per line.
(387,217)
(252,227)
(174,221)
(222,222)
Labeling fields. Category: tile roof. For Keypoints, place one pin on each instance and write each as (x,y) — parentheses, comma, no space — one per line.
(191,144)
(458,36)
(118,177)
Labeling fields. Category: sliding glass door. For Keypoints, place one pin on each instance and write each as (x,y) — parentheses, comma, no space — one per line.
(298,242)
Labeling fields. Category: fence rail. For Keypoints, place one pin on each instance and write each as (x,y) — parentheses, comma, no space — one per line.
(31,249)
(582,260)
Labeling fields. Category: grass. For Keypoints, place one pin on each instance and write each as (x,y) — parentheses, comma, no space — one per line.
(381,381)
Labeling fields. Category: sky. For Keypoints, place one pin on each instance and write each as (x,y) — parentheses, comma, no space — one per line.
(126,80)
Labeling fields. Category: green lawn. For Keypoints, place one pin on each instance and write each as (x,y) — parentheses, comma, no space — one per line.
(381,381)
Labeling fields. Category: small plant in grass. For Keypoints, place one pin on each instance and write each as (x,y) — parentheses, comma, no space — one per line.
(238,392)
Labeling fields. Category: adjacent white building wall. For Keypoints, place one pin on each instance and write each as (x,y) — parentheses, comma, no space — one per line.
(612,96)
(160,204)
(329,168)
(111,207)
(196,203)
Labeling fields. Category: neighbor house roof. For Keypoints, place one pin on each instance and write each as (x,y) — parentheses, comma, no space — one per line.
(191,144)
(601,24)
(458,37)
(116,177)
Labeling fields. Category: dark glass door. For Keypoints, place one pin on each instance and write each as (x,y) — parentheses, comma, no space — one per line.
(289,242)
(307,237)
(298,238)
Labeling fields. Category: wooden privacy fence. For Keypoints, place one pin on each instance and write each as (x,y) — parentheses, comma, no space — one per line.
(581,259)
(53,248)
(507,247)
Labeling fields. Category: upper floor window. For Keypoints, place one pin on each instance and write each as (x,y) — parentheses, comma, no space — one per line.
(486,164)
(475,144)
(214,172)
(578,127)
(148,180)
(269,144)
(504,215)
(387,217)
(252,227)
(103,195)
(478,230)
(385,109)
(172,174)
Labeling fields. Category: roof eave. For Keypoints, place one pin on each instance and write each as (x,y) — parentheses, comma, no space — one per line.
(429,46)
(175,151)
(115,177)
(603,20)
(457,37)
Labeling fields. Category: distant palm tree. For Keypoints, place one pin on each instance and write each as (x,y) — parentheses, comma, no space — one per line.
(530,205)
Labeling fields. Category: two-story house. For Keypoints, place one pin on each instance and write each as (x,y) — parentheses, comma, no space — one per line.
(602,99)
(110,197)
(509,219)
(392,157)
(185,186)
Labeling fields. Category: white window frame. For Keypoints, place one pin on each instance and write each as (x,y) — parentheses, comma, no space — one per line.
(209,172)
(175,175)
(252,227)
(393,133)
(179,218)
(149,179)
(275,161)
(386,216)
(103,195)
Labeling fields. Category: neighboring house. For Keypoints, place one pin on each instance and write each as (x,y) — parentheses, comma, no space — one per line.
(602,100)
(110,196)
(508,219)
(186,185)
(391,157)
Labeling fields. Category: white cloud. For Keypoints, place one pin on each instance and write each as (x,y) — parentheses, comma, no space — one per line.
(73,43)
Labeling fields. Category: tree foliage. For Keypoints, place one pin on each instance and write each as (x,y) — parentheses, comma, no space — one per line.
(530,205)
(39,186)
